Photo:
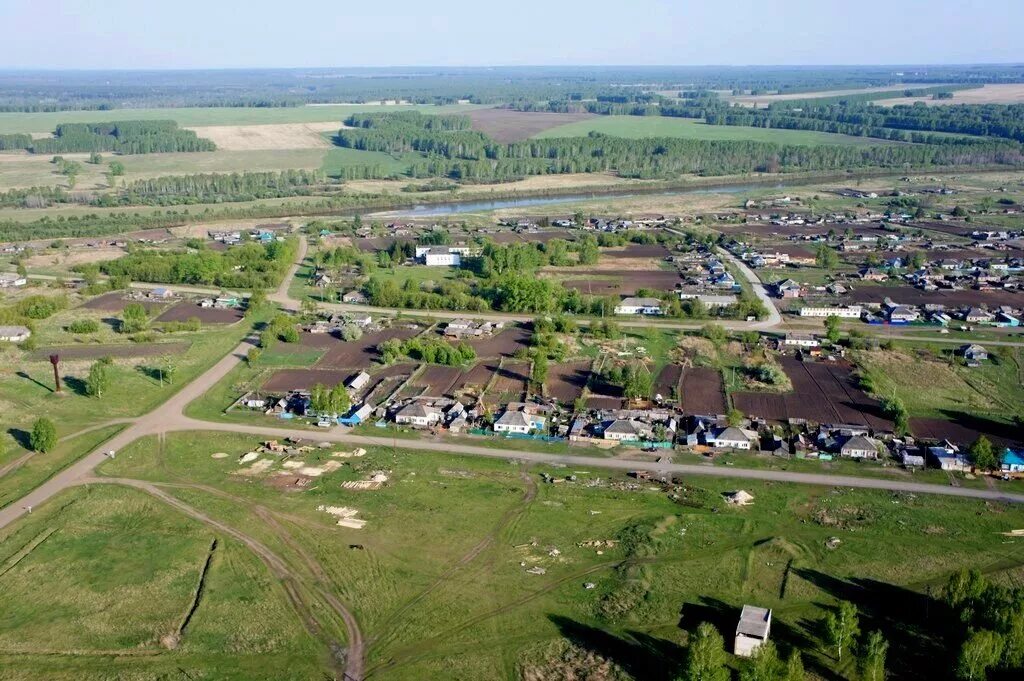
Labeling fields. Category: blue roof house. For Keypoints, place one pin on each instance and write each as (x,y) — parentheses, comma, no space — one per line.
(1012,461)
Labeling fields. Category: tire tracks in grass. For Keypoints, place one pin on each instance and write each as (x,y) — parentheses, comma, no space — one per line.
(417,651)
(353,665)
(507,520)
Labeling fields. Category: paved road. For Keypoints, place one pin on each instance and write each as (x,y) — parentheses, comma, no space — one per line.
(342,435)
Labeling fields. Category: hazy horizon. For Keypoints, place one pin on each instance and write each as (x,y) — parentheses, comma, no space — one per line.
(193,35)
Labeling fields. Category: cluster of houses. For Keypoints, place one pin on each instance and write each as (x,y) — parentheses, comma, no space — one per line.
(235,237)
(705,279)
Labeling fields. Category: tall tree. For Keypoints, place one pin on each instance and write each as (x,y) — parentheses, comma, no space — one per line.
(872,661)
(982,454)
(981,650)
(764,664)
(841,626)
(98,380)
(705,657)
(540,371)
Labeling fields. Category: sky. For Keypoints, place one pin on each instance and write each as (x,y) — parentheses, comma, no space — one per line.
(183,34)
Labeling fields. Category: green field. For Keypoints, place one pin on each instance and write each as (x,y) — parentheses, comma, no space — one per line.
(660,126)
(186,117)
(440,585)
(98,582)
(338,158)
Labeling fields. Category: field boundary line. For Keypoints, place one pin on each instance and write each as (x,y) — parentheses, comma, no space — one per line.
(13,561)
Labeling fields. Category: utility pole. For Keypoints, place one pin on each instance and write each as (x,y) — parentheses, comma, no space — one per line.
(55,360)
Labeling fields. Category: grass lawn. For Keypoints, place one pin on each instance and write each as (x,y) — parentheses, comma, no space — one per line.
(199,116)
(40,467)
(687,128)
(95,580)
(441,587)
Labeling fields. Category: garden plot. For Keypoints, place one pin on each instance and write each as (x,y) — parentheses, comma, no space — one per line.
(702,392)
(567,381)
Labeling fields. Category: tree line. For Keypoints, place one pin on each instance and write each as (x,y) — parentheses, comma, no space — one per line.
(470,156)
(124,137)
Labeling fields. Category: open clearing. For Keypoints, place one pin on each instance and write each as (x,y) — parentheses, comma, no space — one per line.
(506,125)
(1008,93)
(202,116)
(443,609)
(765,100)
(687,128)
(273,136)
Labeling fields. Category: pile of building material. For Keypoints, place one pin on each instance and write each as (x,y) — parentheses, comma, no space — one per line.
(348,455)
(375,481)
(740,498)
(346,516)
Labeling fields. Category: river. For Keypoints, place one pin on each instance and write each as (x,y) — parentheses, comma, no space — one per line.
(485,205)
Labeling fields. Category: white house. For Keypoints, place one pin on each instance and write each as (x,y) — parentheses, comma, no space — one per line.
(649,306)
(14,334)
(709,300)
(420,415)
(625,430)
(800,340)
(859,447)
(519,421)
(10,279)
(843,311)
(450,256)
(752,630)
(730,438)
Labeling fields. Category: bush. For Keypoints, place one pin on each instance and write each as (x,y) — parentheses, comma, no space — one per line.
(84,326)
(43,437)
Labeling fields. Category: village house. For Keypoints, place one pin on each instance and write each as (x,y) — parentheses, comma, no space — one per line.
(977,315)
(859,447)
(872,274)
(418,414)
(14,334)
(1012,462)
(800,340)
(438,256)
(626,430)
(354,297)
(644,306)
(730,437)
(752,630)
(948,457)
(788,289)
(973,353)
(520,418)
(903,314)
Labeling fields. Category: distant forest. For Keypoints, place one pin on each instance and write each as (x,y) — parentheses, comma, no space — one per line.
(100,90)
(454,151)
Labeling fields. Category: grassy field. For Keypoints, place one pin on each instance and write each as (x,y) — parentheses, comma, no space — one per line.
(98,583)
(441,588)
(658,126)
(26,385)
(931,385)
(186,117)
(338,158)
